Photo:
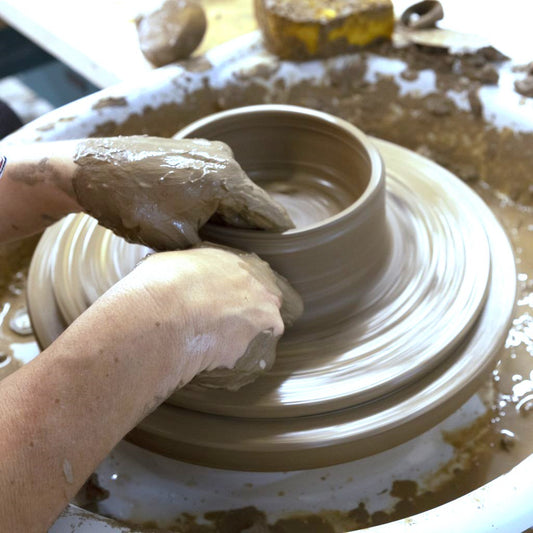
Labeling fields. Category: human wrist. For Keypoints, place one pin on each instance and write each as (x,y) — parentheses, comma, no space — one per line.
(141,318)
(47,166)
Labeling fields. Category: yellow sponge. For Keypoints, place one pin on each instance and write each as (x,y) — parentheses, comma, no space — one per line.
(303,29)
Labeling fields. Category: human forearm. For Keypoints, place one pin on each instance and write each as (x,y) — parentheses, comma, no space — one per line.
(150,190)
(176,315)
(61,414)
(36,188)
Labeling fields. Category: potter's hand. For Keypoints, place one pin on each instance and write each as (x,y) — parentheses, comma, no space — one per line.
(159,192)
(260,354)
(150,190)
(175,315)
(217,309)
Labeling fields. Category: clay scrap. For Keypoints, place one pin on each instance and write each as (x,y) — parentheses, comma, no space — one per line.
(525,85)
(171,32)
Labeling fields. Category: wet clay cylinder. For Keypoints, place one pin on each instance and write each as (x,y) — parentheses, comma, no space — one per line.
(331,180)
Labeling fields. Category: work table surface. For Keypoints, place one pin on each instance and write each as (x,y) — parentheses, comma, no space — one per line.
(98,38)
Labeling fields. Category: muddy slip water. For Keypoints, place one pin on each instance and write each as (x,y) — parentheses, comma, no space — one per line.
(17,342)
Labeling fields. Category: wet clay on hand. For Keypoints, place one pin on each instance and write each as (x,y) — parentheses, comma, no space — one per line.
(261,352)
(171,32)
(159,192)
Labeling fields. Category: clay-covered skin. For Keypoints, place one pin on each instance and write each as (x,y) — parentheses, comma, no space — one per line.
(260,355)
(159,192)
(171,32)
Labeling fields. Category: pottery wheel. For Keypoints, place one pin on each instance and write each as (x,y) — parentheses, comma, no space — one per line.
(416,348)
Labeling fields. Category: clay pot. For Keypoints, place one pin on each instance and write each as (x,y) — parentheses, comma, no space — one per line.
(287,149)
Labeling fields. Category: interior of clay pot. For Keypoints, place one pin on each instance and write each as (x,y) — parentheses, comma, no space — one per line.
(331,179)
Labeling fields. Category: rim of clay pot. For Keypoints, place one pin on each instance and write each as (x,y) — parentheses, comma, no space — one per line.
(475,511)
(375,180)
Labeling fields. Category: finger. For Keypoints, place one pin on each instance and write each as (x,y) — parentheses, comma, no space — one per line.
(248,205)
(258,358)
(290,303)
(292,306)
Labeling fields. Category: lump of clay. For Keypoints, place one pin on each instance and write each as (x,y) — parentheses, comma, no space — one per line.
(160,192)
(261,352)
(171,32)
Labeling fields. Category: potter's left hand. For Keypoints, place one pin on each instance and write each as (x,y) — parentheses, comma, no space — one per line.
(175,315)
(159,192)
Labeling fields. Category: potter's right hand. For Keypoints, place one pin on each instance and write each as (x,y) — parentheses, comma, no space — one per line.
(149,190)
(159,192)
(205,309)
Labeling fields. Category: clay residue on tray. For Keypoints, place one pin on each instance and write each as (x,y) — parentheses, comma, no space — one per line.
(513,376)
(110,101)
(14,261)
(432,124)
(524,86)
(462,474)
(171,32)
(159,192)
(162,121)
(91,493)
